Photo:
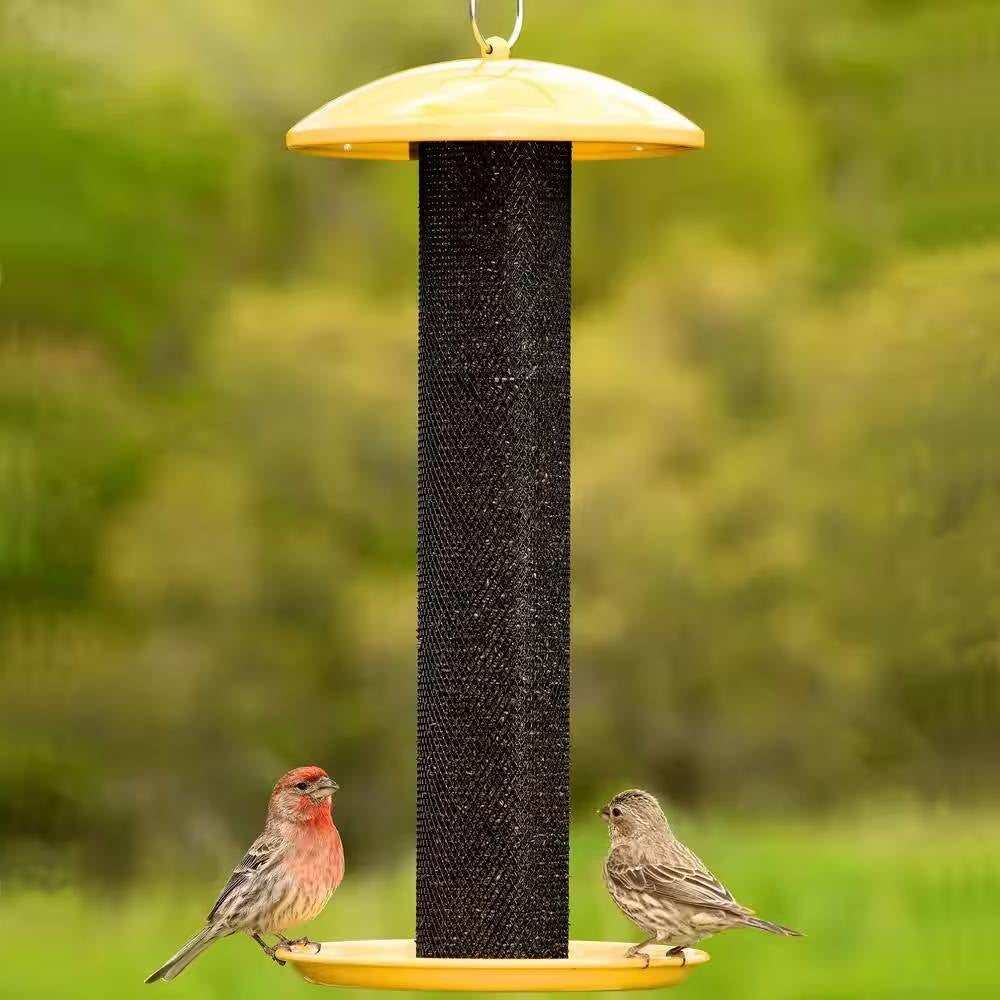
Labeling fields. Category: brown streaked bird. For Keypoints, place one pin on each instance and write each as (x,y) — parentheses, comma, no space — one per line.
(663,887)
(287,876)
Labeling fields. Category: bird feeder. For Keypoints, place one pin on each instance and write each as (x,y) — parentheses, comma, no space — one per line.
(495,138)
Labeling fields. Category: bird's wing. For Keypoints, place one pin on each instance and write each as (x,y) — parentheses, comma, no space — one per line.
(676,881)
(264,851)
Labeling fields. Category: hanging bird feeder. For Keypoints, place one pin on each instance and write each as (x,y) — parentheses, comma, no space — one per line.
(495,138)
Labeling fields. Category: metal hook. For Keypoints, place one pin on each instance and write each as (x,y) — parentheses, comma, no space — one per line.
(514,35)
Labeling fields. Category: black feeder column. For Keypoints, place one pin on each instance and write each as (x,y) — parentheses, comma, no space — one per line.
(493,550)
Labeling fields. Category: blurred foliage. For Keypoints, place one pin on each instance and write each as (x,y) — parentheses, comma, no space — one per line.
(787,397)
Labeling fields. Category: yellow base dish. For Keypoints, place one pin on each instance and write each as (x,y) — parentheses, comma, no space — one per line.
(393,965)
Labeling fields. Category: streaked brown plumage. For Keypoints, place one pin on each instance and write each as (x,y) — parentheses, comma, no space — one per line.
(287,876)
(663,887)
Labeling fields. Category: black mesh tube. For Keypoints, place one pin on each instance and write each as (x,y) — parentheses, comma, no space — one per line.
(493,551)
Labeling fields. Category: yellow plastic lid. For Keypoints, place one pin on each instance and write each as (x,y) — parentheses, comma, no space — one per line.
(393,965)
(495,98)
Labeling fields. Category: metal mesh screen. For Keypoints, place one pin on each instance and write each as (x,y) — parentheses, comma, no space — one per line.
(493,551)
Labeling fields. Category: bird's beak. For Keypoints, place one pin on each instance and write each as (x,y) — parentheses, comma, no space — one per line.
(604,813)
(325,788)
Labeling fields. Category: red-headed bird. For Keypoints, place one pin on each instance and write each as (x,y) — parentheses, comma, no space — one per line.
(287,876)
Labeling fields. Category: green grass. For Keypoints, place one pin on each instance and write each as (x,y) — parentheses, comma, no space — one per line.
(900,907)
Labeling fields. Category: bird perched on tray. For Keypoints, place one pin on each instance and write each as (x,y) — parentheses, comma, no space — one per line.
(662,886)
(287,876)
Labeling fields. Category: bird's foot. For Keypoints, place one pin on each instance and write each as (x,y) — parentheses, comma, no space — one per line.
(634,952)
(269,949)
(676,952)
(303,942)
(272,952)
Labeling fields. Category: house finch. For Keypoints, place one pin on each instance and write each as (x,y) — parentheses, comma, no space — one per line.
(662,886)
(287,876)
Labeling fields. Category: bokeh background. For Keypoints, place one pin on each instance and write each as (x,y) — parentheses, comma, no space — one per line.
(786,484)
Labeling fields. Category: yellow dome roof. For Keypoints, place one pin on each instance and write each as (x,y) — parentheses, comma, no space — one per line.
(494,99)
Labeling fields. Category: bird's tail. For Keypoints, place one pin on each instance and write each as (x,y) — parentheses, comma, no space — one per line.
(766,925)
(178,963)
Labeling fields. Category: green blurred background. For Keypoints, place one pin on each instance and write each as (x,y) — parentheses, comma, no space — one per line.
(786,482)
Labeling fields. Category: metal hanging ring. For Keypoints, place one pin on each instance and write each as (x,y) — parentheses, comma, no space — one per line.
(514,35)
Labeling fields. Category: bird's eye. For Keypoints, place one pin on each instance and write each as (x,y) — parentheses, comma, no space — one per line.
(301,786)
(616,812)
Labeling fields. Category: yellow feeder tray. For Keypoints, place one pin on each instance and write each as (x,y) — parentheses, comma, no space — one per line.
(393,965)
(495,99)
